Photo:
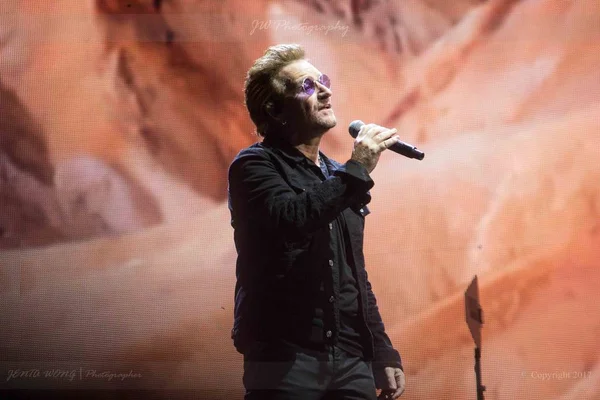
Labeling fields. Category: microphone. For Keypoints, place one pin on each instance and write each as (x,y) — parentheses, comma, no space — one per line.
(405,149)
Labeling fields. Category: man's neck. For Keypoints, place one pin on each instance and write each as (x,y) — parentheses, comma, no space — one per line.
(310,149)
(307,145)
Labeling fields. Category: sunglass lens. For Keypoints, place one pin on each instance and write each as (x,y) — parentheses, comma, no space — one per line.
(308,86)
(324,79)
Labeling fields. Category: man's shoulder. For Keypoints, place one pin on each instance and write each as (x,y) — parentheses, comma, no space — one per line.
(257,149)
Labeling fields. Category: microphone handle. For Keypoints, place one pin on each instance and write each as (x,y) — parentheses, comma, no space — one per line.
(407,150)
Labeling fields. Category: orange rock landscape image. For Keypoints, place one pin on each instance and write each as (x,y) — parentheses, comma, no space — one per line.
(118,122)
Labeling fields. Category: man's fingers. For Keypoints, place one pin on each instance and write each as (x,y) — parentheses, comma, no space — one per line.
(400,384)
(378,138)
(367,130)
(390,142)
(376,132)
(397,393)
(385,135)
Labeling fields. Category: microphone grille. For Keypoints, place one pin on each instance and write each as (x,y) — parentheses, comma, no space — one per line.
(354,127)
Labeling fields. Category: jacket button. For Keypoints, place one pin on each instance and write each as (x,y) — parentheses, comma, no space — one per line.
(331,263)
(328,334)
(331,299)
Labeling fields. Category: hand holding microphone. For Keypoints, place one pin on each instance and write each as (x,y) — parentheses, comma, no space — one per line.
(370,141)
(407,150)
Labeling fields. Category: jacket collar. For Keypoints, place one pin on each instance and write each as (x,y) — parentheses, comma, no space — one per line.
(290,153)
(284,149)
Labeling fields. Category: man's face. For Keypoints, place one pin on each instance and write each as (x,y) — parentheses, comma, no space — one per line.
(312,114)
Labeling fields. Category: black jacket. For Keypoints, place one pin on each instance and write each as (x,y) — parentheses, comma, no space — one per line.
(280,215)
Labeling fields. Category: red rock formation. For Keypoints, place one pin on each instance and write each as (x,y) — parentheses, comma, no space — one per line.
(131,98)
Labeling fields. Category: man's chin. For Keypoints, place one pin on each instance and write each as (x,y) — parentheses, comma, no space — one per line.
(322,125)
(328,123)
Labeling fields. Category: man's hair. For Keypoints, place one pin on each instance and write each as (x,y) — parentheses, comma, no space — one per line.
(262,88)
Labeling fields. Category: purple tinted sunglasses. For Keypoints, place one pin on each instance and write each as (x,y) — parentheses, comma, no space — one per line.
(309,85)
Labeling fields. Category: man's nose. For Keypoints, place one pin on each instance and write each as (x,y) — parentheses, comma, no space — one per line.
(324,91)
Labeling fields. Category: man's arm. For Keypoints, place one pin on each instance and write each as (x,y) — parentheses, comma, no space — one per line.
(258,191)
(387,364)
(385,354)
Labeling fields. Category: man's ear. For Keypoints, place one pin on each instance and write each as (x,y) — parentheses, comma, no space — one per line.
(274,110)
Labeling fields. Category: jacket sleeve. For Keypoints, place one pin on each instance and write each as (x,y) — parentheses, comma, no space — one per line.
(385,355)
(258,191)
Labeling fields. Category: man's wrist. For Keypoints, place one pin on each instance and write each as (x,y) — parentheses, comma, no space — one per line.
(357,173)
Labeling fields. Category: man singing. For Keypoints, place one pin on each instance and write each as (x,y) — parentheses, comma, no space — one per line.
(306,319)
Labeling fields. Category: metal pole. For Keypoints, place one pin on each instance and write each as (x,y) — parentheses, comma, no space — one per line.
(480,387)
